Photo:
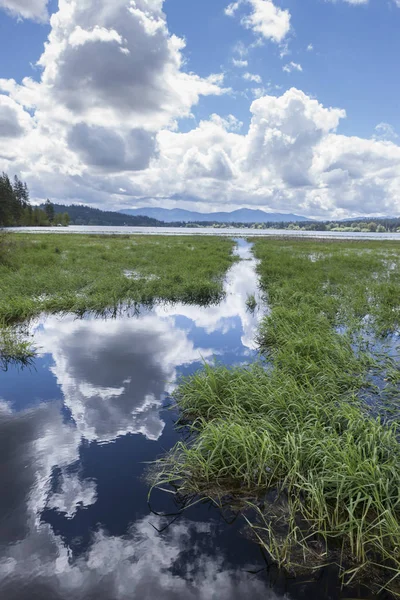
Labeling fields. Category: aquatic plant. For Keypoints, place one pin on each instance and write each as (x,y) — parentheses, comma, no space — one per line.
(251,303)
(293,445)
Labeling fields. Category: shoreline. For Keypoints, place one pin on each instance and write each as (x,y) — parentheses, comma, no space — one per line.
(206,231)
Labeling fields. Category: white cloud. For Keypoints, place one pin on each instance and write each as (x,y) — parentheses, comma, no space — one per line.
(265,18)
(26,9)
(239,63)
(310,47)
(112,77)
(116,143)
(292,66)
(252,77)
(385,132)
(14,120)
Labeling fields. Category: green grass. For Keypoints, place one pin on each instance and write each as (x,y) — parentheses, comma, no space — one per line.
(79,273)
(251,303)
(293,444)
(16,348)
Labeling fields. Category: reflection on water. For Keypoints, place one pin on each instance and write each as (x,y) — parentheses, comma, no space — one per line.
(75,435)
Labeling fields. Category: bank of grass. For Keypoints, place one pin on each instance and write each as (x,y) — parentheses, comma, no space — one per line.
(79,273)
(315,475)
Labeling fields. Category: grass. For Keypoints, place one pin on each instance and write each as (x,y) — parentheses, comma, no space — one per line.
(294,444)
(16,349)
(251,303)
(79,273)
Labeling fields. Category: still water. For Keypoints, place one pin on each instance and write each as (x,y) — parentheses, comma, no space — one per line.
(76,432)
(207,231)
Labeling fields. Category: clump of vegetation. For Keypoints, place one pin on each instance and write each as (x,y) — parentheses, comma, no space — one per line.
(16,349)
(293,444)
(251,303)
(79,273)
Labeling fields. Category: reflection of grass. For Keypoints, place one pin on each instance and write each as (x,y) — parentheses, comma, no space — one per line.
(251,303)
(77,273)
(318,479)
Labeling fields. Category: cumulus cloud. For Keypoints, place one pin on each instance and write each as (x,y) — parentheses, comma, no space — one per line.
(101,126)
(14,120)
(26,9)
(264,19)
(102,147)
(112,76)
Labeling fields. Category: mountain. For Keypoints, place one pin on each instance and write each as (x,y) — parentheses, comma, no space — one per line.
(85,215)
(243,215)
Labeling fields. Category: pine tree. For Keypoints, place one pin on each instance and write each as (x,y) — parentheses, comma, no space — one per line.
(49,210)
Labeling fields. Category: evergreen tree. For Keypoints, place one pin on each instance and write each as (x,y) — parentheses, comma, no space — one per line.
(7,201)
(49,210)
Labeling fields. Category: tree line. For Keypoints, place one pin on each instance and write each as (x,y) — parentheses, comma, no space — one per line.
(17,211)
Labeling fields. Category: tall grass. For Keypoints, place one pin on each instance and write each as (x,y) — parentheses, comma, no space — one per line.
(316,476)
(78,273)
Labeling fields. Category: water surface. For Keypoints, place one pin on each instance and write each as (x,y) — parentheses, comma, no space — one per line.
(76,432)
(231,232)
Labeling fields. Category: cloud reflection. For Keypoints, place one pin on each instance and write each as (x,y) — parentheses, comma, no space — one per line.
(114,374)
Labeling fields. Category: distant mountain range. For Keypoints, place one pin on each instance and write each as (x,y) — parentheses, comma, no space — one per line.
(243,215)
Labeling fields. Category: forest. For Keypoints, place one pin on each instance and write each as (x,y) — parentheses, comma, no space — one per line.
(16,209)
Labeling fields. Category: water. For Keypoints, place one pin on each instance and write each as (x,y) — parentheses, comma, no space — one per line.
(232,232)
(76,432)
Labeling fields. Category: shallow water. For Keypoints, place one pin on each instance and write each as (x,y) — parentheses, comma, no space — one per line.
(76,432)
(231,232)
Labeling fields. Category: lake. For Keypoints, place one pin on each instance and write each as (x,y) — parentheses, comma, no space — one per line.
(77,431)
(206,231)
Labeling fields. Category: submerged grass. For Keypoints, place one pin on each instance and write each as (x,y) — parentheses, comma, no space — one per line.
(316,476)
(79,273)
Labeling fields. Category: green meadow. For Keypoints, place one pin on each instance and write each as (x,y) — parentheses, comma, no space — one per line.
(302,443)
(79,273)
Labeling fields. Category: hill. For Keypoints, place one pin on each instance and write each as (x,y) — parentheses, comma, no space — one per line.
(243,215)
(85,215)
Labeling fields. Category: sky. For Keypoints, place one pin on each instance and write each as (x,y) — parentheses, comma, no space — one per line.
(282,105)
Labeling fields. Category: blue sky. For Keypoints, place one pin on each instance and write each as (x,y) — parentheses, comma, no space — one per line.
(342,55)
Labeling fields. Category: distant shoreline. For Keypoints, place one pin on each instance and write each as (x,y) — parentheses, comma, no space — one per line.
(186,231)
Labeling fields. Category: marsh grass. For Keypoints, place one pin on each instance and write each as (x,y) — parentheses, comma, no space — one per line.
(16,348)
(81,273)
(317,476)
